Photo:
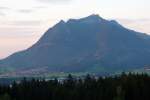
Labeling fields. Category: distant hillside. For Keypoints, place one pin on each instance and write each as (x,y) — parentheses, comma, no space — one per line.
(90,44)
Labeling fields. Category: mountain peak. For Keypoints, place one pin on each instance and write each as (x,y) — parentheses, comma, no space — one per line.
(61,22)
(93,18)
(89,19)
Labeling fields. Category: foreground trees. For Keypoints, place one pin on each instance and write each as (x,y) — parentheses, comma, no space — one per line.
(123,87)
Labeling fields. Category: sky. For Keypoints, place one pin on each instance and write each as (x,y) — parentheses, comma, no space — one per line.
(23,22)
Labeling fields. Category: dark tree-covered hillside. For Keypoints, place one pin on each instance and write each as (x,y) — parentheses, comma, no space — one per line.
(122,87)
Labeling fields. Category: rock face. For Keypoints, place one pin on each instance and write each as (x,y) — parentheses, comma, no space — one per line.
(85,45)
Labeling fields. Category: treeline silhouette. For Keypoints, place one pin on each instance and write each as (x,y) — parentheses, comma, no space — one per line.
(120,87)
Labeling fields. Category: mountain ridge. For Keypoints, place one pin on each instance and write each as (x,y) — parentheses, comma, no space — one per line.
(84,45)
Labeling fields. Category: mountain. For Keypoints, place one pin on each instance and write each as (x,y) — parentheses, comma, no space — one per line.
(90,44)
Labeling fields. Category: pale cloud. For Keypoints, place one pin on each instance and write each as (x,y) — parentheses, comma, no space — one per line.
(27,23)
(25,10)
(3,11)
(40,7)
(4,8)
(21,28)
(54,0)
(140,25)
(2,14)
